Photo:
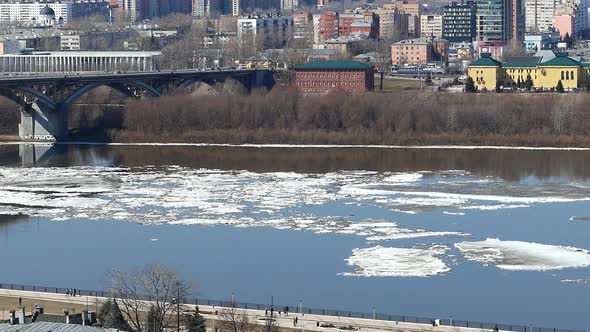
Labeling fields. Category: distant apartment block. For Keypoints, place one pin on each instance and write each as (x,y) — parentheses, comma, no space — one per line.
(331,25)
(459,22)
(70,42)
(420,51)
(431,26)
(393,23)
(269,30)
(539,15)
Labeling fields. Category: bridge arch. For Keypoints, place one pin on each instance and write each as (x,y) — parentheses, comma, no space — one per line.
(69,100)
(16,95)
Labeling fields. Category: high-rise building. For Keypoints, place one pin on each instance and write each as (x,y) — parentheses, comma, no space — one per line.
(289,5)
(413,8)
(128,10)
(235,8)
(578,11)
(303,27)
(199,8)
(431,26)
(500,20)
(393,23)
(459,22)
(539,15)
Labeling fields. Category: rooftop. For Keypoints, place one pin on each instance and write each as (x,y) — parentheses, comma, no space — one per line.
(333,65)
(561,60)
(486,60)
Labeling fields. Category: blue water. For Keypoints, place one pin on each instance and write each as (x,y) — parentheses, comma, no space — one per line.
(259,263)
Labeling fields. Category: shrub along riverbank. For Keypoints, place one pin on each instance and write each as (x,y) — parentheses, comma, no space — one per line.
(282,116)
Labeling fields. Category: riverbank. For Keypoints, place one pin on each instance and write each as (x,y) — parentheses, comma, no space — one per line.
(282,116)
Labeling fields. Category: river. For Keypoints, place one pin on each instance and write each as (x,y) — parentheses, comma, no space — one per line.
(488,235)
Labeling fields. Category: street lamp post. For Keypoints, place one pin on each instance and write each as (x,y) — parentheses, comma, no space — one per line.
(374,316)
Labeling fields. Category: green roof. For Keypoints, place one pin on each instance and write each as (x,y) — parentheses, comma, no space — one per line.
(561,61)
(585,64)
(333,65)
(518,65)
(486,61)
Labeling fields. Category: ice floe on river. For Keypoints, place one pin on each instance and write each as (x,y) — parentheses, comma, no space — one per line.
(305,202)
(380,261)
(523,256)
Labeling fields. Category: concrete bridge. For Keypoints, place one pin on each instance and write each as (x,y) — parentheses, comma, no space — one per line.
(45,100)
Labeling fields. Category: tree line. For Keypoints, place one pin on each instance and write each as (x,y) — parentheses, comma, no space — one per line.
(285,116)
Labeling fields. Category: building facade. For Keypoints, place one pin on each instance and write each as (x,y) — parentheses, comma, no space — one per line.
(411,51)
(539,15)
(70,42)
(393,23)
(322,76)
(431,26)
(268,30)
(459,22)
(488,73)
(66,62)
(500,20)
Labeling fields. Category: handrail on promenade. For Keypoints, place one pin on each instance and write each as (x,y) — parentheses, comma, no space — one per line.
(310,311)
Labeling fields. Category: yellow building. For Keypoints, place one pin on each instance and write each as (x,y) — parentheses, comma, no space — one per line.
(488,73)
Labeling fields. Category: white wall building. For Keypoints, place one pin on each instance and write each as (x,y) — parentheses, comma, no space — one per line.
(199,8)
(266,29)
(70,42)
(539,15)
(431,26)
(66,62)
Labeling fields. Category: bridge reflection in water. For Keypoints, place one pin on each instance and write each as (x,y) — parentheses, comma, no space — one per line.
(46,100)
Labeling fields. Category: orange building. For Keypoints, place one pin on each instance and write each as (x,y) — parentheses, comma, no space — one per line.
(411,51)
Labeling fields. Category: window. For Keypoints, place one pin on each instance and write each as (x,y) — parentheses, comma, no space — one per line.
(562,75)
(567,75)
(572,75)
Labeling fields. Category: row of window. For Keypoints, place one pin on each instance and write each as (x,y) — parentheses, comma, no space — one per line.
(567,75)
(331,75)
(331,84)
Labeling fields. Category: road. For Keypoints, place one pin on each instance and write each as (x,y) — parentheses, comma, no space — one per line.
(306,322)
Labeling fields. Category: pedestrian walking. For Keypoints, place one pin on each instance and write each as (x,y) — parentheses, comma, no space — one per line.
(74,292)
(266,311)
(317,324)
(272,310)
(20,301)
(287,311)
(68,292)
(294,322)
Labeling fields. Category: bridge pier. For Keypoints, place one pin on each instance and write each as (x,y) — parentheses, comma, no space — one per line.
(42,123)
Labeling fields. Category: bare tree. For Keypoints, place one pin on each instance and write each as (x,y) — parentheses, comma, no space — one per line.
(182,54)
(86,23)
(155,289)
(235,320)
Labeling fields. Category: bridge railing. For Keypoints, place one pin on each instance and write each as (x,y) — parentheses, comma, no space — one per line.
(309,311)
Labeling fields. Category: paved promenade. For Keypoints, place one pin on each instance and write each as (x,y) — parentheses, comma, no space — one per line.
(306,322)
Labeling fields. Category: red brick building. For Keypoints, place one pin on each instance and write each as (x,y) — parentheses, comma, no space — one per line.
(322,76)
